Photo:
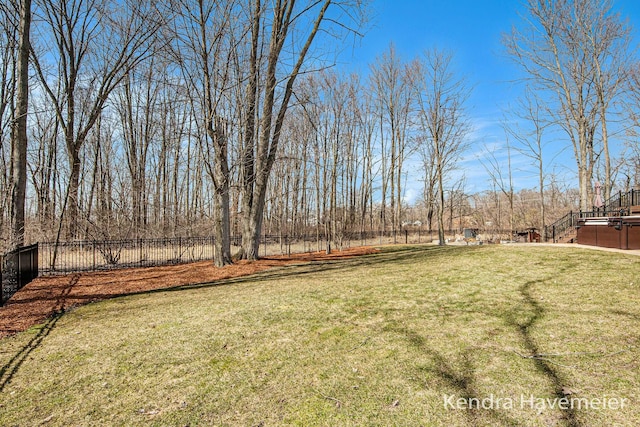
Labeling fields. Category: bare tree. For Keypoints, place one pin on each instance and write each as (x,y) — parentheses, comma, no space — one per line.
(501,179)
(42,166)
(426,151)
(442,120)
(136,102)
(391,80)
(530,140)
(18,180)
(8,41)
(92,45)
(569,49)
(367,125)
(457,206)
(632,106)
(608,39)
(205,51)
(278,28)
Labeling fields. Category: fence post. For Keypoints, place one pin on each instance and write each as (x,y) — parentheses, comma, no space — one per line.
(17,268)
(35,265)
(10,275)
(51,264)
(1,282)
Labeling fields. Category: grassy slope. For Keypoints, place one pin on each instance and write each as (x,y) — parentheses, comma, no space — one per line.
(376,340)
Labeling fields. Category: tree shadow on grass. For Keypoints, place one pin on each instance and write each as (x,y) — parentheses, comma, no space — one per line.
(458,376)
(407,255)
(524,327)
(397,255)
(9,369)
(627,314)
(60,297)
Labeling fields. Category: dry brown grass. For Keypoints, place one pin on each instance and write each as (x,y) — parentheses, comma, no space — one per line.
(47,296)
(374,340)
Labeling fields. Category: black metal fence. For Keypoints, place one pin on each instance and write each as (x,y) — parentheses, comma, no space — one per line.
(82,256)
(78,256)
(18,268)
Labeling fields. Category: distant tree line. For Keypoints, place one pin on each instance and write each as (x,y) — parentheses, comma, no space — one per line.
(189,117)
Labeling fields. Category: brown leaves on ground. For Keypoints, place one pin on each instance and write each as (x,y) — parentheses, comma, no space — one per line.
(46,296)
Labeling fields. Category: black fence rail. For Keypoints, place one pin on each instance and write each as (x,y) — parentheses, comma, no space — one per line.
(85,256)
(79,256)
(284,243)
(17,268)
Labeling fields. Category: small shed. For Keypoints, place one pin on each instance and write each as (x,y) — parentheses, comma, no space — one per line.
(530,235)
(470,233)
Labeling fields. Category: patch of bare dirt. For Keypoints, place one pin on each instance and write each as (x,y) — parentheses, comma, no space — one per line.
(46,296)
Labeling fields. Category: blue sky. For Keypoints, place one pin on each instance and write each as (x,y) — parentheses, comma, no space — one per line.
(472,29)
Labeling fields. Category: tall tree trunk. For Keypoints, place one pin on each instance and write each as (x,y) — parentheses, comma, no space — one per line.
(250,237)
(440,210)
(265,145)
(19,140)
(74,191)
(607,157)
(222,223)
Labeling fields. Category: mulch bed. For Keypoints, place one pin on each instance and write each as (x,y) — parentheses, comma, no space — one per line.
(47,296)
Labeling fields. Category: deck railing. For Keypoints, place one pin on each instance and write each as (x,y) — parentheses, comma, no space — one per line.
(617,205)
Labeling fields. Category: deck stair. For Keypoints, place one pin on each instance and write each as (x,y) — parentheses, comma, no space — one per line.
(620,204)
(569,236)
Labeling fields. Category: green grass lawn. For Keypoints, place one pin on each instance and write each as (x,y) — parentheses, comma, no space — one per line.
(383,339)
